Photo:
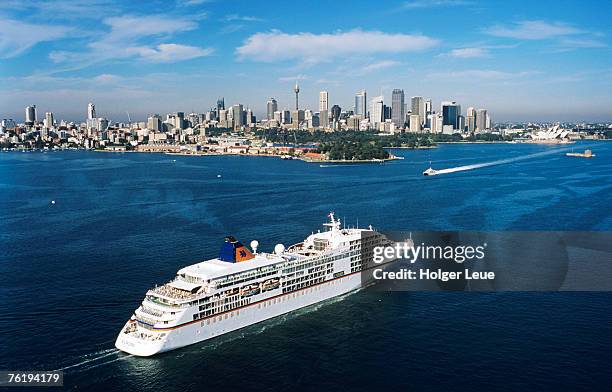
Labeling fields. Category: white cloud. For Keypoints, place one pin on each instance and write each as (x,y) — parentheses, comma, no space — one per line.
(107,78)
(278,46)
(130,28)
(377,66)
(17,37)
(192,2)
(124,40)
(533,30)
(570,44)
(170,52)
(468,53)
(479,74)
(241,18)
(434,3)
(292,78)
(62,9)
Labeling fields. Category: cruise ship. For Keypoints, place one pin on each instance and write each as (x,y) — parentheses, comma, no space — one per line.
(242,287)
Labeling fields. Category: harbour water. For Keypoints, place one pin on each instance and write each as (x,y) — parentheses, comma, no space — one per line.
(72,272)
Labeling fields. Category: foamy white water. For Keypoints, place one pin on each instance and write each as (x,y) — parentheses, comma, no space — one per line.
(500,161)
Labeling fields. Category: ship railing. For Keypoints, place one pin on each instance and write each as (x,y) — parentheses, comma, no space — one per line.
(145,320)
(296,247)
(173,293)
(150,312)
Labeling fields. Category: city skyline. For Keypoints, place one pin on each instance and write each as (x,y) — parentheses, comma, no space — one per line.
(550,63)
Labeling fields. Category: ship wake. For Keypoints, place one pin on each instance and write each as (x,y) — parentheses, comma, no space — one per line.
(94,360)
(499,162)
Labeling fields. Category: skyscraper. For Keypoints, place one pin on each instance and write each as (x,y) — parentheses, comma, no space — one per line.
(450,114)
(297,118)
(324,109)
(335,112)
(30,115)
(272,106)
(220,104)
(91,111)
(154,123)
(49,120)
(470,119)
(398,116)
(376,110)
(481,120)
(323,101)
(237,115)
(360,103)
(417,107)
(278,117)
(415,123)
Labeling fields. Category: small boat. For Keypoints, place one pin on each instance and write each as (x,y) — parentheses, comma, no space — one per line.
(430,172)
(585,154)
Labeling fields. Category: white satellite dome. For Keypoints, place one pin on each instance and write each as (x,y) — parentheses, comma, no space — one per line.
(279,248)
(254,245)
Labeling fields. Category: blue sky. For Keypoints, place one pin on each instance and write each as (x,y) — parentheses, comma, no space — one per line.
(523,60)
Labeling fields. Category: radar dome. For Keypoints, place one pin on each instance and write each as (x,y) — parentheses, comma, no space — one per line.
(254,245)
(279,248)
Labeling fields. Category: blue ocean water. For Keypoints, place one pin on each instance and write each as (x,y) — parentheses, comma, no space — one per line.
(72,272)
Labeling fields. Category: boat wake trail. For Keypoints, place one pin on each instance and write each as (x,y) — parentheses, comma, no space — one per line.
(93,360)
(499,162)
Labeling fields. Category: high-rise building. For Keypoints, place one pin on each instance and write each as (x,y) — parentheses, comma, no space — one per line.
(91,111)
(154,123)
(450,114)
(428,107)
(297,117)
(323,101)
(237,115)
(278,117)
(179,120)
(386,113)
(102,124)
(436,123)
(220,103)
(49,120)
(7,124)
(31,115)
(324,118)
(335,112)
(417,106)
(272,107)
(286,117)
(361,104)
(376,111)
(415,123)
(481,120)
(398,116)
(250,118)
(470,120)
(222,118)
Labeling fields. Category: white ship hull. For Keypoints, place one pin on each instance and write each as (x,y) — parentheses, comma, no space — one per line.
(276,304)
